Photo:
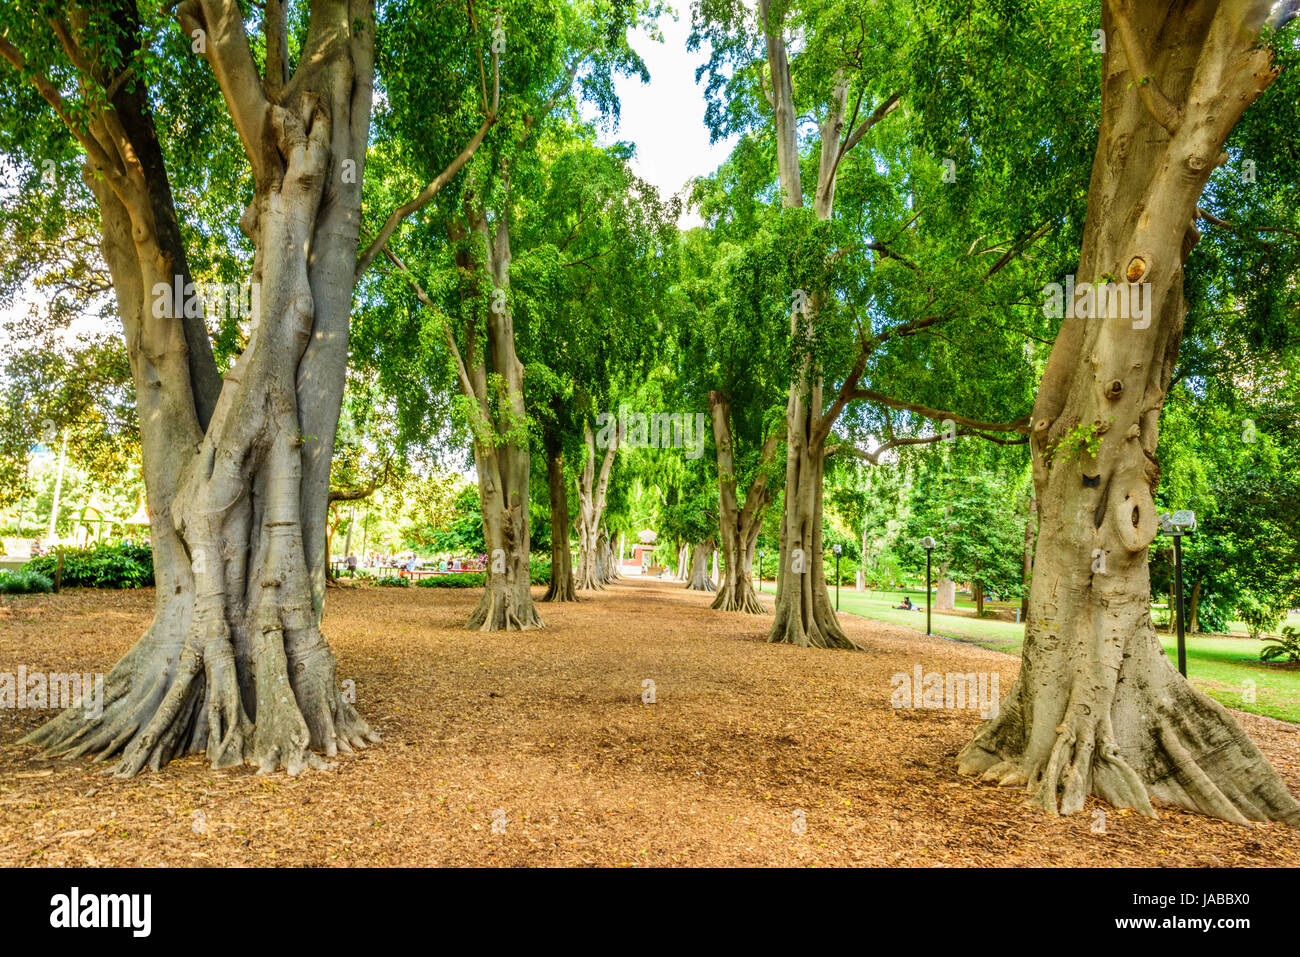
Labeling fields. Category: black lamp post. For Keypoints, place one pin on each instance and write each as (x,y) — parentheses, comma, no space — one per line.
(760,571)
(928,544)
(837,549)
(1182,522)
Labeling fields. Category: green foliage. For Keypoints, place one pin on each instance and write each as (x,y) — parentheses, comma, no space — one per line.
(978,529)
(24,582)
(388,581)
(103,566)
(1260,617)
(1287,647)
(539,573)
(455,526)
(1082,441)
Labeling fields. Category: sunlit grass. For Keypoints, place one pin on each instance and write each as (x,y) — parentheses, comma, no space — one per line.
(1228,669)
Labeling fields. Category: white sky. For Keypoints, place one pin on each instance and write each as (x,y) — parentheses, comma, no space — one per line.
(664,118)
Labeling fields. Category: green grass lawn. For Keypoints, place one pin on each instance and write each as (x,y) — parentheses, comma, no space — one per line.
(1220,666)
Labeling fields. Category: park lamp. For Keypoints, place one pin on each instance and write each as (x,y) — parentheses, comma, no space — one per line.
(928,544)
(837,549)
(1180,523)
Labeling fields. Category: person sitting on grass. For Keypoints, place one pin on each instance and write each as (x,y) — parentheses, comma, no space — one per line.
(906,605)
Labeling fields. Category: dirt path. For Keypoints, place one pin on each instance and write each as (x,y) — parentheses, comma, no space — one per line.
(744,740)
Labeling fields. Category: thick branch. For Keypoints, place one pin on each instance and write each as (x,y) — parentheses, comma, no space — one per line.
(226,49)
(1020,425)
(1163,111)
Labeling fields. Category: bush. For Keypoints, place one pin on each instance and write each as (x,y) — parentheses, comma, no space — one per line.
(24,582)
(391,581)
(1260,616)
(539,573)
(454,580)
(1286,648)
(104,566)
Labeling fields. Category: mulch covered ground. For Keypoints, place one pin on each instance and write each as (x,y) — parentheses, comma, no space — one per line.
(744,742)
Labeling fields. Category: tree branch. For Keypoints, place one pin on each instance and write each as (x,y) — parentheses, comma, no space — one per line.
(226,49)
(1020,425)
(1161,110)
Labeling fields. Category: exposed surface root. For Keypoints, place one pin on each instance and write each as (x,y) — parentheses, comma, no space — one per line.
(742,598)
(1183,749)
(500,610)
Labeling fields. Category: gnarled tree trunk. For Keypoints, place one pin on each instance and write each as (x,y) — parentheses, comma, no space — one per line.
(501,454)
(1098,708)
(234,662)
(1027,563)
(697,577)
(945,591)
(593,555)
(804,614)
(738,526)
(561,587)
(607,564)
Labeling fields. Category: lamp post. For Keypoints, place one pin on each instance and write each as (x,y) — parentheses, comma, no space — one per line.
(928,544)
(760,570)
(837,549)
(1182,522)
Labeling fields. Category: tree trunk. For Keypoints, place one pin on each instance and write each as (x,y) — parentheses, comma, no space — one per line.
(804,614)
(234,662)
(606,561)
(945,591)
(593,570)
(697,578)
(561,587)
(1098,708)
(1027,565)
(978,589)
(861,582)
(1193,622)
(738,526)
(501,454)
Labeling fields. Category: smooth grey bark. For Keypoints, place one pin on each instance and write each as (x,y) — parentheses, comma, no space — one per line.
(561,587)
(738,525)
(1098,708)
(595,567)
(697,577)
(501,453)
(945,591)
(803,614)
(1027,562)
(234,662)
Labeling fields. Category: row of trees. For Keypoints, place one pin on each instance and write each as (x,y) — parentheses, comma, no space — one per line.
(435,231)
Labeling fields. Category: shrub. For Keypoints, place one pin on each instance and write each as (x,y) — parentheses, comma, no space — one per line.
(454,580)
(539,573)
(1260,616)
(104,566)
(24,582)
(1286,648)
(391,581)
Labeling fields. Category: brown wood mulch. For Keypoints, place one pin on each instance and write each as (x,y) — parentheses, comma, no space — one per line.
(745,741)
